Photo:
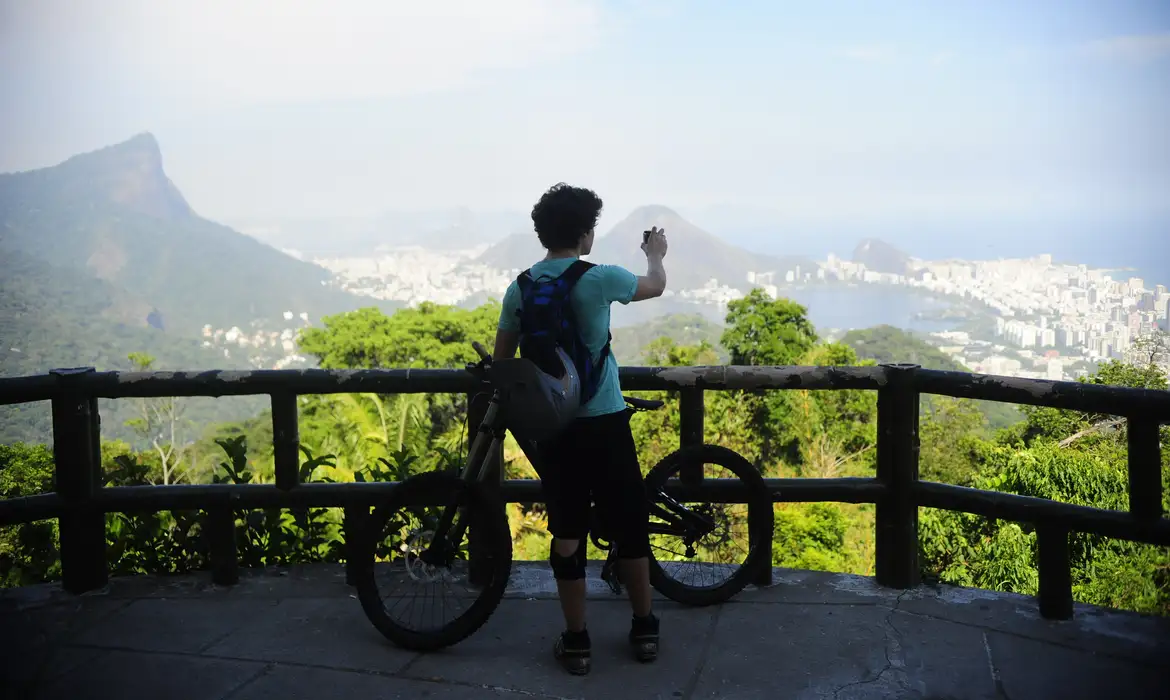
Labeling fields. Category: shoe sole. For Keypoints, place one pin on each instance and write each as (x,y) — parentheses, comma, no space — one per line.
(575,665)
(645,652)
(583,670)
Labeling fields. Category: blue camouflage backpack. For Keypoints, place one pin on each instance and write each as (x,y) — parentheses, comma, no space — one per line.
(557,374)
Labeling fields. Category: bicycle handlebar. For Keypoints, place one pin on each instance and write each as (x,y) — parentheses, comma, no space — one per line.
(480,368)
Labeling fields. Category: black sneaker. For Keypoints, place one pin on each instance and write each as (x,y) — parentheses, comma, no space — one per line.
(572,650)
(644,637)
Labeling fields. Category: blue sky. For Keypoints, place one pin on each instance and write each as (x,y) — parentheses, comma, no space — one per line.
(821,111)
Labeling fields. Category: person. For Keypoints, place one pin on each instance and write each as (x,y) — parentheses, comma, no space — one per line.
(593,457)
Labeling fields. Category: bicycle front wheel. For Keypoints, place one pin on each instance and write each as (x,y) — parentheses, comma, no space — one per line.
(400,568)
(714,557)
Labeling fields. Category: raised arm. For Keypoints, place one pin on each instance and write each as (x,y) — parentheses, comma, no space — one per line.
(653,283)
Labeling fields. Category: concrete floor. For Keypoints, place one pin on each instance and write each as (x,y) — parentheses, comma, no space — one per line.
(300,633)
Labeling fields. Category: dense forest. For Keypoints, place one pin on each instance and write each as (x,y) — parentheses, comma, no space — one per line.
(1047,453)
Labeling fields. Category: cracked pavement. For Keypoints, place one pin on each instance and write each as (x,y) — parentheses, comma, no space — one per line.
(301,633)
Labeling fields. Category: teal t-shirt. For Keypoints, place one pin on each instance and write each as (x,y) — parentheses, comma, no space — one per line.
(595,291)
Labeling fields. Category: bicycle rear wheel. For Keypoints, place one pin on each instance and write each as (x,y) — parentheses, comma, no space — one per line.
(398,533)
(737,543)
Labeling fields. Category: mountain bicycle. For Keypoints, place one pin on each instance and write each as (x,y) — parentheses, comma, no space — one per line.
(420,534)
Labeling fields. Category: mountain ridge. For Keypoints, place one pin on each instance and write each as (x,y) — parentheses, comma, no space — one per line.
(880,256)
(113,213)
(695,256)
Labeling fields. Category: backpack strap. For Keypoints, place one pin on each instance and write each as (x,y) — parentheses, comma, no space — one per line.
(573,275)
(576,271)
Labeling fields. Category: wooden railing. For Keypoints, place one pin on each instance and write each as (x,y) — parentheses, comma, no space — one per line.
(81,501)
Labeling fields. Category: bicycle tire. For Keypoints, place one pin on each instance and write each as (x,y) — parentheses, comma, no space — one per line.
(760,523)
(492,524)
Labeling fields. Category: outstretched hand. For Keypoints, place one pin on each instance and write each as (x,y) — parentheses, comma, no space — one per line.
(654,243)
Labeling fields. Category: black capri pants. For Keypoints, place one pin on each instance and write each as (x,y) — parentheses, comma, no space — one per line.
(594,458)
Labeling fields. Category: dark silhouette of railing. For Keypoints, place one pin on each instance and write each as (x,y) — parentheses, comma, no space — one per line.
(80,501)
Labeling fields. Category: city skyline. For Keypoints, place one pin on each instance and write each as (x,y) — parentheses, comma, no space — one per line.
(1051,320)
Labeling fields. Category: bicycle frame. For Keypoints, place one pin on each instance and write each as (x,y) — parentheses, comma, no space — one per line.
(489,436)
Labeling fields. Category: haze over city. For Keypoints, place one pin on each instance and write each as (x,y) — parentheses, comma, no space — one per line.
(1032,115)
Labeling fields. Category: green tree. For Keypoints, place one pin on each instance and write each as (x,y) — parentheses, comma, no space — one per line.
(663,352)
(360,430)
(765,331)
(430,336)
(28,552)
(950,432)
(1063,456)
(161,424)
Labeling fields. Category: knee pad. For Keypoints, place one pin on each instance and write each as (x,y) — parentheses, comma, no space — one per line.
(570,568)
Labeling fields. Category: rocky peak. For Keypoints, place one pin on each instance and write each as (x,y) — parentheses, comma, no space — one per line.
(130,174)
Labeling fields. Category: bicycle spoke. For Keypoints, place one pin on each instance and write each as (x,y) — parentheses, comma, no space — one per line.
(712,558)
(414,594)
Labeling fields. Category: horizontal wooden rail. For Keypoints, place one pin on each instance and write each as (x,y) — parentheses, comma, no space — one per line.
(1153,404)
(1028,509)
(27,509)
(1077,396)
(150,499)
(114,385)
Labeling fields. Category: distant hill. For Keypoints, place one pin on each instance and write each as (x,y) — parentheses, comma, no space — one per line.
(695,256)
(515,252)
(629,343)
(886,344)
(50,318)
(113,214)
(879,256)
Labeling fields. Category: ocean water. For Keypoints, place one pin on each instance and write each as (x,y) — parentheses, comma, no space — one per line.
(865,306)
(829,306)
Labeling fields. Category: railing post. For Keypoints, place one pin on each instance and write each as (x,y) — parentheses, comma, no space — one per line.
(897,467)
(286,440)
(477,406)
(690,418)
(690,430)
(1056,601)
(1145,468)
(78,466)
(353,523)
(221,535)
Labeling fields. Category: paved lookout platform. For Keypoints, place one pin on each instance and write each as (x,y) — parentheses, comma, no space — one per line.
(300,633)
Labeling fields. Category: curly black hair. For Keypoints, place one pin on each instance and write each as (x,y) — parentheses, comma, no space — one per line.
(564,215)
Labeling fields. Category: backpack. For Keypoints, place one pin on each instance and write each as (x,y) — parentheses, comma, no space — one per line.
(556,374)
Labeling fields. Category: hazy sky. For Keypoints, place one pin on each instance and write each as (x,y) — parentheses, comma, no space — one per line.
(818,109)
